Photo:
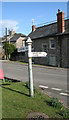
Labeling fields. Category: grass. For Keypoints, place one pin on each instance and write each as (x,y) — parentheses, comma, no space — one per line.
(33,64)
(16,102)
(26,63)
(19,62)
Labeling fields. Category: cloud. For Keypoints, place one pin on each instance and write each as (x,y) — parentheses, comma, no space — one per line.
(10,24)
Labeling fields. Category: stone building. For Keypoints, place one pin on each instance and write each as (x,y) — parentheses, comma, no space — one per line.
(17,39)
(53,39)
(1,50)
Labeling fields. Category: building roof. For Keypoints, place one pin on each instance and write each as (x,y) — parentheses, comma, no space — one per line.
(48,30)
(16,36)
(13,38)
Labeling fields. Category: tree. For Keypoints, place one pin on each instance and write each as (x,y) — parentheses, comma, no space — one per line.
(10,49)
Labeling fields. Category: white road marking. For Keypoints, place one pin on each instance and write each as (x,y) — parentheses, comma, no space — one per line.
(41,86)
(56,89)
(64,94)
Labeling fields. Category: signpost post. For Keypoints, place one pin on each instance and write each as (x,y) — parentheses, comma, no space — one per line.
(30,55)
(29,42)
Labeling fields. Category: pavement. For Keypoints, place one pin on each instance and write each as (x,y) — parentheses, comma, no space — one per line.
(36,65)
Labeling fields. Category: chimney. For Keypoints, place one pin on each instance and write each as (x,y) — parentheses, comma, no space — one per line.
(60,22)
(11,32)
(33,28)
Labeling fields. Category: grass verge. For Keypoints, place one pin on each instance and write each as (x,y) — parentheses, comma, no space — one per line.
(16,102)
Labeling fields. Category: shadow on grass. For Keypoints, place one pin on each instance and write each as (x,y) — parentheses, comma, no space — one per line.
(6,84)
(60,114)
(16,91)
(48,102)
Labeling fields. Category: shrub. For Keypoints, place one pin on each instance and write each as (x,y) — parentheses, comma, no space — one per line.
(56,103)
(64,112)
(10,48)
(35,89)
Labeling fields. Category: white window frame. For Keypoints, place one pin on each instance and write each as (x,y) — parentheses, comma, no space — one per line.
(23,43)
(51,45)
(42,47)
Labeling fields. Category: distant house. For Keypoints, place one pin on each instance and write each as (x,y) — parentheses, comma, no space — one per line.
(53,39)
(1,50)
(17,39)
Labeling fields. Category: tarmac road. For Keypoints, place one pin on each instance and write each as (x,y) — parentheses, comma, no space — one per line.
(53,81)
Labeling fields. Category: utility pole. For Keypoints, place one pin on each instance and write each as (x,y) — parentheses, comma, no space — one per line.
(9,43)
(6,43)
(29,42)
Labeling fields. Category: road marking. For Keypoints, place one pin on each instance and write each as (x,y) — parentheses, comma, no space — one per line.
(56,89)
(64,94)
(41,86)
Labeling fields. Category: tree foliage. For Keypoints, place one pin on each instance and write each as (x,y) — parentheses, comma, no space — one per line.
(10,48)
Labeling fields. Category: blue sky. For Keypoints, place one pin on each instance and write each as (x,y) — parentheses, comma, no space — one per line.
(19,15)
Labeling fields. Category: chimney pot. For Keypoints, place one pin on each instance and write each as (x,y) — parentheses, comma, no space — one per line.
(33,28)
(11,32)
(58,10)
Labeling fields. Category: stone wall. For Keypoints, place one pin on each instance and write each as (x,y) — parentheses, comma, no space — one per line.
(23,56)
(60,51)
(54,52)
(64,51)
(19,43)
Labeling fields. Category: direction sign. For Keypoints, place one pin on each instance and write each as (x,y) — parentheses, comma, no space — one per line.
(23,49)
(37,54)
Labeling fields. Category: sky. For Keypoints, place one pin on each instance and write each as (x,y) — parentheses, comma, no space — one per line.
(18,15)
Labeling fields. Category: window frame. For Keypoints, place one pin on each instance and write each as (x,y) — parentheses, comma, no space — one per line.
(43,48)
(51,44)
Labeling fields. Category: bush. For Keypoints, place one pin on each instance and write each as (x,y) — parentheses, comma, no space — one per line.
(56,103)
(35,89)
(64,112)
(10,48)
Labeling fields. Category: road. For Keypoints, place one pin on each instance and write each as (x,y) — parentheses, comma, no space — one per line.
(52,80)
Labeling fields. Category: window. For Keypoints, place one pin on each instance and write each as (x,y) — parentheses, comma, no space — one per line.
(52,44)
(23,43)
(44,47)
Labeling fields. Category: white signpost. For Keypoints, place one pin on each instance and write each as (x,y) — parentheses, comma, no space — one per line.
(22,49)
(37,54)
(30,55)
